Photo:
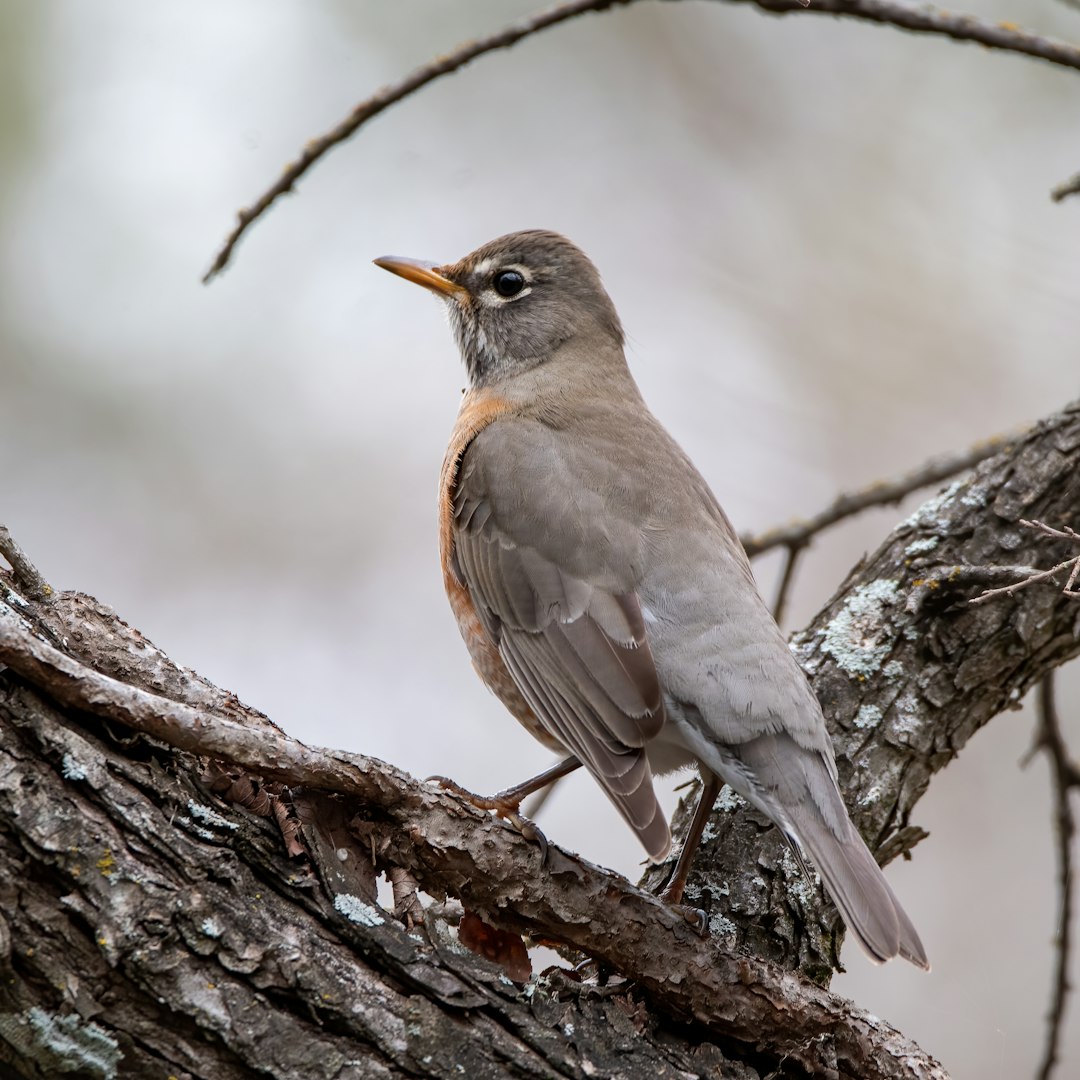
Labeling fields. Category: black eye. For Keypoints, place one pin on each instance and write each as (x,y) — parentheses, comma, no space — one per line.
(508,282)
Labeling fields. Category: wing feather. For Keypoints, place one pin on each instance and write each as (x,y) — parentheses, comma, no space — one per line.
(577,651)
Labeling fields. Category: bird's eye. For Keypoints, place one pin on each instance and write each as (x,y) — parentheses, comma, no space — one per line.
(508,282)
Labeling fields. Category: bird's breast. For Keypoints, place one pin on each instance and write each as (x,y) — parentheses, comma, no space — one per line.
(478,409)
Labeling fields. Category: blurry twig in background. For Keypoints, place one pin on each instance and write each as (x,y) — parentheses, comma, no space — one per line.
(786,579)
(1066,188)
(797,535)
(1032,576)
(1005,36)
(881,493)
(1064,775)
(445,64)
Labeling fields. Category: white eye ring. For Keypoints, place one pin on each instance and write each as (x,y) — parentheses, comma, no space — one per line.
(510,283)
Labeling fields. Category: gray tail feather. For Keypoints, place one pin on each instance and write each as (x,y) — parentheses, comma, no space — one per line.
(857,886)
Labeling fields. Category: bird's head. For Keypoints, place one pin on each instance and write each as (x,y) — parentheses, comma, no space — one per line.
(515,301)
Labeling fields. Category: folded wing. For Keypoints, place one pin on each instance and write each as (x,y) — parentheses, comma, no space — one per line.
(578,652)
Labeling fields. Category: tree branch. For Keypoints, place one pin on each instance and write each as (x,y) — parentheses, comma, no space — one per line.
(26,573)
(1028,575)
(450,848)
(880,493)
(1003,36)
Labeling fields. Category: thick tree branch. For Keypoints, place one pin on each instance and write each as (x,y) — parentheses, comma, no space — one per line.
(450,848)
(1007,37)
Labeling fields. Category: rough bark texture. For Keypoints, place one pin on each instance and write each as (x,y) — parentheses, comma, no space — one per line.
(150,929)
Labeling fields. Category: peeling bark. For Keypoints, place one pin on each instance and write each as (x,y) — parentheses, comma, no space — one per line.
(150,928)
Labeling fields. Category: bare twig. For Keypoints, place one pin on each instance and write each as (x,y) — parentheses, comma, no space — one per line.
(1064,775)
(925,20)
(450,847)
(786,579)
(442,65)
(26,573)
(1032,576)
(1066,188)
(881,493)
(1006,36)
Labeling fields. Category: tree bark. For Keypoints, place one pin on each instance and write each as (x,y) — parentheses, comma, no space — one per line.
(151,928)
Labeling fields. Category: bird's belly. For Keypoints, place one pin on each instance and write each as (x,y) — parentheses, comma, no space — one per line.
(667,753)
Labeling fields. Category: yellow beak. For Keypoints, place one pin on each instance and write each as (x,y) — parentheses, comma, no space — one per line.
(422,273)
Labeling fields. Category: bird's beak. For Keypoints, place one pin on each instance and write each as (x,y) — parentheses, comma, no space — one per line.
(423,273)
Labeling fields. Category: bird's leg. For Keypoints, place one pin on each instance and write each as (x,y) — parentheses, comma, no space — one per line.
(710,789)
(506,803)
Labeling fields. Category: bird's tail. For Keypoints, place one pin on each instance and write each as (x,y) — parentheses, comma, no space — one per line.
(857,886)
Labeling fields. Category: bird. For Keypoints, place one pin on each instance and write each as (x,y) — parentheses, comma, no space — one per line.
(602,592)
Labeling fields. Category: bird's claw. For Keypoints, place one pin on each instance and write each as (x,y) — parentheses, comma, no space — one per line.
(530,832)
(695,918)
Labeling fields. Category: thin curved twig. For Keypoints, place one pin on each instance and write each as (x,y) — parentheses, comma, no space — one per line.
(442,65)
(1064,775)
(1003,36)
(1006,36)
(787,578)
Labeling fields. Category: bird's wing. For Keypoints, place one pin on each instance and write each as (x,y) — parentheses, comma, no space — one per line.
(573,641)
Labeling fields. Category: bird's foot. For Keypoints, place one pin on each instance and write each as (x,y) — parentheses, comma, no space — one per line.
(696,917)
(505,804)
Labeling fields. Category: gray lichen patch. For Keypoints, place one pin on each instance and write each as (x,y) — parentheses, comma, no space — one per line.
(908,713)
(922,545)
(211,928)
(929,514)
(209,816)
(869,716)
(729,800)
(71,769)
(862,635)
(355,910)
(721,926)
(976,496)
(62,1044)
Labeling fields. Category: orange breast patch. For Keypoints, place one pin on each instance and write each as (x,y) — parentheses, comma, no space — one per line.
(478,409)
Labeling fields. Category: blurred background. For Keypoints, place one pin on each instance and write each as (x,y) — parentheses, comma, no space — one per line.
(834,254)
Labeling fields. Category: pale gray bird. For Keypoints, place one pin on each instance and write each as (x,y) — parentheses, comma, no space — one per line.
(602,592)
